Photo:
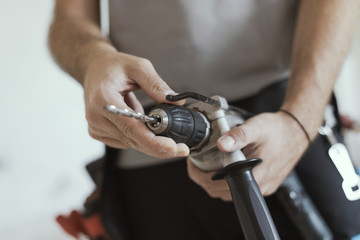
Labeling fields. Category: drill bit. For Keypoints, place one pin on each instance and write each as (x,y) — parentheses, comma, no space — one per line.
(127,113)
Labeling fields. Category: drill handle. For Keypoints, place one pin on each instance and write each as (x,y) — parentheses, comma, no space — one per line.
(252,211)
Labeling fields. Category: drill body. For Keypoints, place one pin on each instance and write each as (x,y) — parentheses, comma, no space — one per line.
(199,126)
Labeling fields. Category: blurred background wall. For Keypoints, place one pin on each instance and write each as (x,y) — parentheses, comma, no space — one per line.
(347,90)
(44,144)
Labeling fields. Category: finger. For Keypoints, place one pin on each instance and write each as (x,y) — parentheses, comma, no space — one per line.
(141,137)
(146,141)
(98,134)
(99,126)
(151,83)
(114,143)
(222,194)
(238,137)
(103,122)
(267,185)
(204,179)
(106,128)
(226,196)
(215,189)
(128,142)
(267,189)
(164,147)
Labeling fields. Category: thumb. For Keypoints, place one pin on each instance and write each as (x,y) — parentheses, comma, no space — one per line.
(237,138)
(152,84)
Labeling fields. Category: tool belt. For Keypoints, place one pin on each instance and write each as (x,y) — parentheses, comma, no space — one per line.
(88,224)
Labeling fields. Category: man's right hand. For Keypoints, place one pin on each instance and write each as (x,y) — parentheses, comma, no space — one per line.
(110,79)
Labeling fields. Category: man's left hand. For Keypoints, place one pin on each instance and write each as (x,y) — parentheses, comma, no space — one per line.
(274,137)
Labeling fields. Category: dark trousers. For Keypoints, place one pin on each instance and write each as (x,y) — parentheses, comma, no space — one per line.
(162,203)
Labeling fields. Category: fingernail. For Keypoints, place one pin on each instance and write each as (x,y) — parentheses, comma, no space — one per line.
(182,151)
(170,93)
(227,142)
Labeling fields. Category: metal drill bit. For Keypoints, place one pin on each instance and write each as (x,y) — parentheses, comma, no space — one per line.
(125,112)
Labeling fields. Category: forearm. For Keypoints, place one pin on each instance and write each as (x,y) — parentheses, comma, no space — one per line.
(75,38)
(323,35)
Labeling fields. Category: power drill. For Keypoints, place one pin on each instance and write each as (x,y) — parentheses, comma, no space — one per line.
(199,125)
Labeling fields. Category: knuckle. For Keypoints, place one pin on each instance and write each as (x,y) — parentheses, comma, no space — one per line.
(145,64)
(239,134)
(157,86)
(128,131)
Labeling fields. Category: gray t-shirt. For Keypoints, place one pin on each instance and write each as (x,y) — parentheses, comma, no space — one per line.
(231,48)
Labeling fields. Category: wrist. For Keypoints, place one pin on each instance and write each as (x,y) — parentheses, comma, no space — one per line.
(289,114)
(91,55)
(309,117)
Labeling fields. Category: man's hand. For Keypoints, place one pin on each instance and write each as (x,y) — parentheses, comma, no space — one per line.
(111,78)
(215,189)
(108,77)
(274,137)
(324,31)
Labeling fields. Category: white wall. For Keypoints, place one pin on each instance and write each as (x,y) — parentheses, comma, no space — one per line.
(348,84)
(43,133)
(44,143)
(348,94)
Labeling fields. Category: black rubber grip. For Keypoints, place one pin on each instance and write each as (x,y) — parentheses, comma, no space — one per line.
(184,125)
(252,211)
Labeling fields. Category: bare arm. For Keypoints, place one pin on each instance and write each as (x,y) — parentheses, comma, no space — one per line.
(75,36)
(108,77)
(323,34)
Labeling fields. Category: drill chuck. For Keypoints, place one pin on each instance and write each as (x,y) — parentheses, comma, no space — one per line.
(182,124)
